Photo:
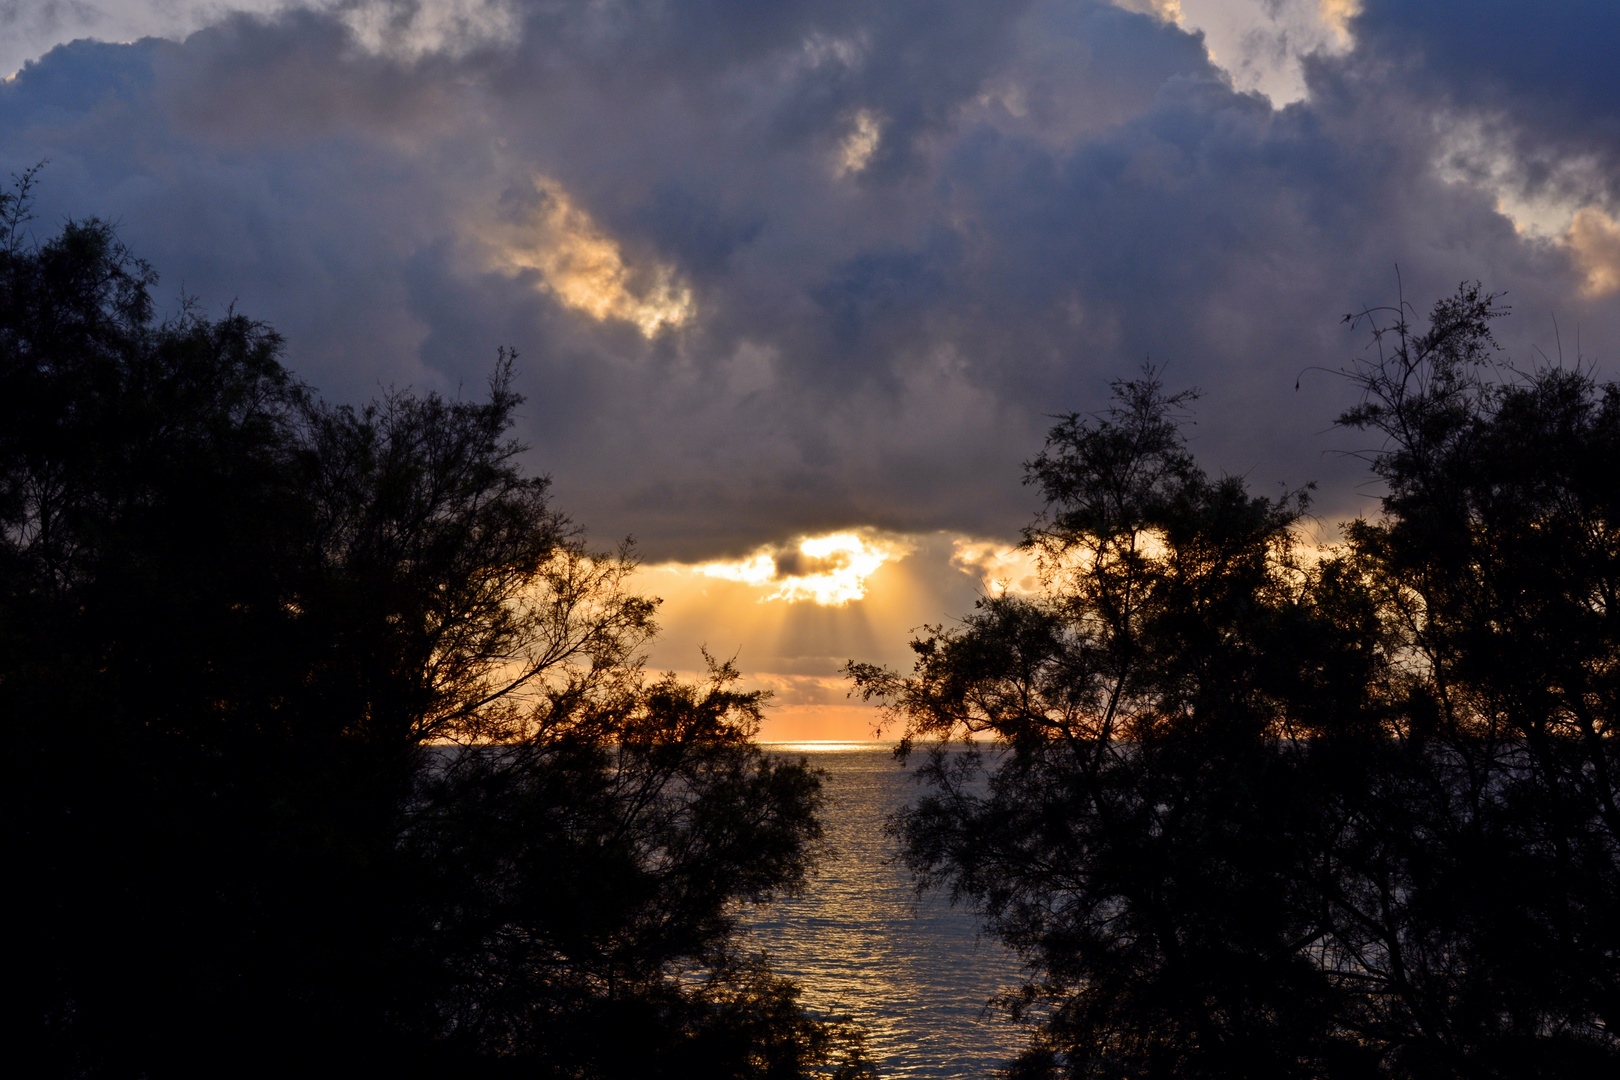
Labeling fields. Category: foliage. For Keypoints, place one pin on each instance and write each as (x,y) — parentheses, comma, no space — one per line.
(1251,810)
(333,750)
(1496,562)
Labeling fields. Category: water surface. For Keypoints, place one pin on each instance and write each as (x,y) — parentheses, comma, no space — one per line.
(912,973)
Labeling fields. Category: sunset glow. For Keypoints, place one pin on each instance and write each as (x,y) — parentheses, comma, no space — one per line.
(828,570)
(806,540)
(999,567)
(791,614)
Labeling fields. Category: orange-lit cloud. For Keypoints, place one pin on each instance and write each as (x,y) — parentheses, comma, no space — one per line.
(583,267)
(1594,241)
(1336,15)
(830,570)
(791,614)
(1000,568)
(865,134)
(1073,188)
(1558,212)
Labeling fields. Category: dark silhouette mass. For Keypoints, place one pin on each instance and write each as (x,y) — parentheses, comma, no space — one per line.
(331,749)
(333,752)
(1250,810)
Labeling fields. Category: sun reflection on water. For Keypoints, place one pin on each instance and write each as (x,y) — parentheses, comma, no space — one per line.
(823,746)
(912,972)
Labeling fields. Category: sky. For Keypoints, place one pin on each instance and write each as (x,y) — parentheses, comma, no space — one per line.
(797,287)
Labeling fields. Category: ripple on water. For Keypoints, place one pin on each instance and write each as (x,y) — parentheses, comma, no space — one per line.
(913,973)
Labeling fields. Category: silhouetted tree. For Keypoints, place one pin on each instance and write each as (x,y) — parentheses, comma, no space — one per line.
(1137,835)
(332,747)
(1252,812)
(1495,563)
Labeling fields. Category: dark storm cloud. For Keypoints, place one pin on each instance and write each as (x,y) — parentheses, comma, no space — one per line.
(1548,71)
(1046,195)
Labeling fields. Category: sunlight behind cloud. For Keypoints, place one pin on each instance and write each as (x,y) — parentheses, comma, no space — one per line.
(1562,206)
(1474,151)
(830,570)
(856,151)
(1336,15)
(1260,43)
(775,611)
(1594,241)
(998,567)
(583,267)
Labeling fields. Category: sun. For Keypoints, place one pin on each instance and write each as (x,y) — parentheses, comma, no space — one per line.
(830,570)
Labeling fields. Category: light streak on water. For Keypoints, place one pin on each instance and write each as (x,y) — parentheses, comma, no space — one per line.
(912,973)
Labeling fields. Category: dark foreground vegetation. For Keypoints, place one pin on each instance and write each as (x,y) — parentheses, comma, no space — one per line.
(1253,813)
(329,752)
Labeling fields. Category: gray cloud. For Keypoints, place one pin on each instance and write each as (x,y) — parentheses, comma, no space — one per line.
(1549,74)
(908,233)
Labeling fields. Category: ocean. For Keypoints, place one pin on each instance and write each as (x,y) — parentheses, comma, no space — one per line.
(912,972)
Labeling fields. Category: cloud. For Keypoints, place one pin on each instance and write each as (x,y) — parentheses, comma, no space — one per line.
(543,231)
(998,567)
(1594,238)
(1168,11)
(1548,84)
(403,30)
(798,287)
(830,570)
(1262,46)
(409,30)
(796,648)
(812,268)
(855,152)
(1337,15)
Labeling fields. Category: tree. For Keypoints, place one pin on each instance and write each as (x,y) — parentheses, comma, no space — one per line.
(1247,811)
(1136,835)
(334,747)
(1495,561)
